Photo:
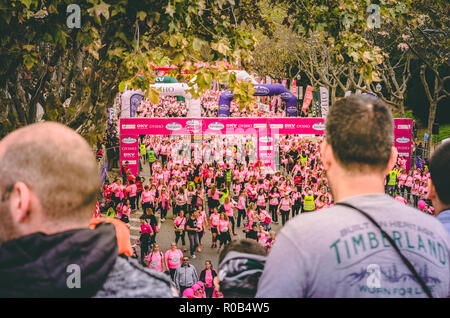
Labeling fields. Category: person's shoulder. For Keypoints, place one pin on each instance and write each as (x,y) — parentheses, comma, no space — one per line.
(129,279)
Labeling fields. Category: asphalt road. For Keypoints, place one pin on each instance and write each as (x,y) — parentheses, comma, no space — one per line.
(167,235)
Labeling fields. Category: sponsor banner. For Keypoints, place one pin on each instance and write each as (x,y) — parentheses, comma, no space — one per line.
(324,101)
(308,98)
(129,150)
(294,88)
(276,126)
(263,125)
(261,90)
(316,103)
(232,126)
(308,126)
(403,139)
(264,128)
(174,89)
(130,163)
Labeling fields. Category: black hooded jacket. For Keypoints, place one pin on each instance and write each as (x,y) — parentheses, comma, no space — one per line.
(40,265)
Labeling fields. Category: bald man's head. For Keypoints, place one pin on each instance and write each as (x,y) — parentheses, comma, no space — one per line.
(58,166)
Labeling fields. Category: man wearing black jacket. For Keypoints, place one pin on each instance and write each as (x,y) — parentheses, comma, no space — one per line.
(46,200)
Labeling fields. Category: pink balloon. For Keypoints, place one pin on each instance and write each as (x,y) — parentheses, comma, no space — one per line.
(421,204)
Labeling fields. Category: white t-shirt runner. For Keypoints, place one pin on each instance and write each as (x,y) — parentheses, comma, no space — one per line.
(338,252)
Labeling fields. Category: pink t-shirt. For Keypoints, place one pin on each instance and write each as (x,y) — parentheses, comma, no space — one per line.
(285,204)
(241,203)
(262,238)
(261,200)
(146,196)
(146,228)
(173,258)
(409,181)
(132,189)
(208,278)
(200,221)
(215,196)
(223,225)
(155,261)
(228,209)
(214,218)
(180,222)
(274,198)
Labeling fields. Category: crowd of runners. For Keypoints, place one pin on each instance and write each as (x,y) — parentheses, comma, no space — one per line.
(217,188)
(211,189)
(172,106)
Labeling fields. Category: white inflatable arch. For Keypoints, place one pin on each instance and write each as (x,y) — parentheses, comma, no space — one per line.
(132,98)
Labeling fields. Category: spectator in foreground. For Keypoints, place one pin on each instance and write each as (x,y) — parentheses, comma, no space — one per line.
(241,264)
(439,184)
(339,252)
(46,201)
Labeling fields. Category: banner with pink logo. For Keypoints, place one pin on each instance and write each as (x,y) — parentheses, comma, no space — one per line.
(264,128)
(129,151)
(403,139)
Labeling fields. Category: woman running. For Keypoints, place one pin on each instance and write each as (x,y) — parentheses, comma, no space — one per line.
(214,221)
(284,208)
(179,224)
(207,276)
(224,228)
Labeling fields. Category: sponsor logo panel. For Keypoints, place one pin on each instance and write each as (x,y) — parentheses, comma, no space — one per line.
(174,126)
(402,140)
(129,140)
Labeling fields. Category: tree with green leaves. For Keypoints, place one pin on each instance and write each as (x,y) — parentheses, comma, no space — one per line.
(74,74)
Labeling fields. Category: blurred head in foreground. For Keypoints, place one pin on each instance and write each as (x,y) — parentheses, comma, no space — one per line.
(359,142)
(48,181)
(241,264)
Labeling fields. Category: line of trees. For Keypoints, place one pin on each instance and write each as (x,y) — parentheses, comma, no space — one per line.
(339,47)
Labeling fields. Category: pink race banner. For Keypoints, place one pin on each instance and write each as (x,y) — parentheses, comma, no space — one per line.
(308,98)
(403,139)
(265,130)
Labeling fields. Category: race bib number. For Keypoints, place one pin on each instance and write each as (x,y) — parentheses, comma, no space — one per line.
(154,264)
(175,260)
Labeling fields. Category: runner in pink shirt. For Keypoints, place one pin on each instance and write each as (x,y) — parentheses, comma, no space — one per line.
(262,236)
(125,212)
(284,208)
(156,259)
(224,228)
(146,232)
(173,258)
(273,203)
(179,224)
(214,224)
(251,216)
(228,206)
(261,200)
(207,276)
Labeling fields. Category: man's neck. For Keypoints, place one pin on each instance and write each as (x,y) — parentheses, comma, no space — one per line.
(441,209)
(349,186)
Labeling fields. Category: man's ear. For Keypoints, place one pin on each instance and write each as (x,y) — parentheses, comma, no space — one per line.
(392,160)
(20,202)
(326,154)
(432,195)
